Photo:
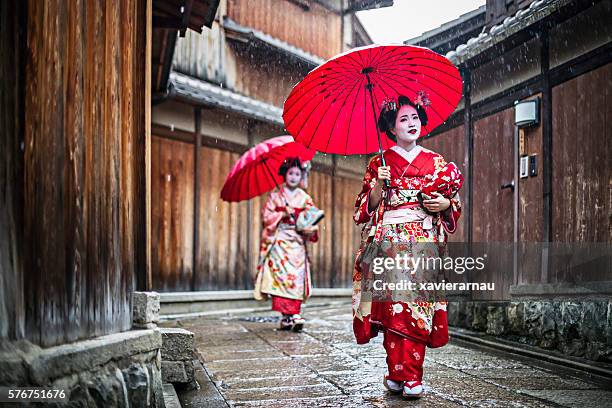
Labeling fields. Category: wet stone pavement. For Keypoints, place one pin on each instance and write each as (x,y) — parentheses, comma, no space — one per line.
(252,364)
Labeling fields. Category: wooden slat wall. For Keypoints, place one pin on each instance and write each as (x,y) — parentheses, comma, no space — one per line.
(266,77)
(287,21)
(201,55)
(84,205)
(582,147)
(172,213)
(346,234)
(222,256)
(493,219)
(582,174)
(321,256)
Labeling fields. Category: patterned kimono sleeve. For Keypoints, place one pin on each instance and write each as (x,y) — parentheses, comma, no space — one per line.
(271,215)
(362,213)
(454,181)
(314,237)
(451,215)
(439,326)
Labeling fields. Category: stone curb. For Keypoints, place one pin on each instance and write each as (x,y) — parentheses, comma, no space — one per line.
(66,359)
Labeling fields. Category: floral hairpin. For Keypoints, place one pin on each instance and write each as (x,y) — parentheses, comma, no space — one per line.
(422,100)
(389,104)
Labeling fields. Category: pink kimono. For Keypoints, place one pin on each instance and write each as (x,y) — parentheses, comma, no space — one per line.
(283,271)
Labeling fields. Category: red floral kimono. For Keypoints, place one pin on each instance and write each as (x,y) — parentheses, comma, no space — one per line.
(401,221)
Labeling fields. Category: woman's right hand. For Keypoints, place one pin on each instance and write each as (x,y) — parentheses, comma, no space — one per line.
(384,173)
(288,211)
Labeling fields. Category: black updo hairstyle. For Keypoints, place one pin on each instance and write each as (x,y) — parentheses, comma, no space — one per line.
(386,120)
(289,163)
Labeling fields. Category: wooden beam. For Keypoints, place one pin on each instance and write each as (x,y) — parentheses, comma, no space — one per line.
(207,140)
(505,99)
(581,64)
(196,194)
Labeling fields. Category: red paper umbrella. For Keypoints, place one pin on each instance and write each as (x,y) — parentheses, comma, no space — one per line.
(256,172)
(334,108)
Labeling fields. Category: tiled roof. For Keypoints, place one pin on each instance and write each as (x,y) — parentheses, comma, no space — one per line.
(522,19)
(205,93)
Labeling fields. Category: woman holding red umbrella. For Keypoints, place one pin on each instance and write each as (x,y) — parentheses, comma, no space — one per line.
(283,271)
(408,201)
(419,206)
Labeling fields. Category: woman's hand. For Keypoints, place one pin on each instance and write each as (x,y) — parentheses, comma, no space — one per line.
(438,203)
(289,211)
(384,173)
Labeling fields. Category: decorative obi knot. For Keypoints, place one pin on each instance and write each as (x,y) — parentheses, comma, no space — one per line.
(400,197)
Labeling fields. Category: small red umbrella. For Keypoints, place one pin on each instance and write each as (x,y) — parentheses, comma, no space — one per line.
(256,172)
(334,108)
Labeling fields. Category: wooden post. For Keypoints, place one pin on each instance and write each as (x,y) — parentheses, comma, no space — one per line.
(148,281)
(546,148)
(249,237)
(334,230)
(196,194)
(469,151)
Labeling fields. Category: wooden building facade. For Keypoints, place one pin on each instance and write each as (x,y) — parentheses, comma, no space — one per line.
(75,152)
(225,93)
(560,53)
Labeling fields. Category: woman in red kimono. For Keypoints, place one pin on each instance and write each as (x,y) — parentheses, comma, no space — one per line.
(418,209)
(283,271)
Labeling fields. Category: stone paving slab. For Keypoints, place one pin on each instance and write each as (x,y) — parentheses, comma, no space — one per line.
(574,398)
(280,393)
(279,380)
(253,364)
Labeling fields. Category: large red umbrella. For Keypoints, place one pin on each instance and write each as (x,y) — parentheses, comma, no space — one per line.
(256,172)
(334,108)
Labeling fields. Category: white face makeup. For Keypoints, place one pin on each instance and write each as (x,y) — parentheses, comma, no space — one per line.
(407,124)
(293,177)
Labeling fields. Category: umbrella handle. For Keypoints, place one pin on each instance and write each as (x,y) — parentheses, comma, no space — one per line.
(369,87)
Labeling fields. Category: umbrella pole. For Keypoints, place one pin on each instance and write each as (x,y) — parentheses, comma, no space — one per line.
(369,87)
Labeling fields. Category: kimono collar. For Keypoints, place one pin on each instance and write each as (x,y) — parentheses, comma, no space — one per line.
(409,156)
(288,193)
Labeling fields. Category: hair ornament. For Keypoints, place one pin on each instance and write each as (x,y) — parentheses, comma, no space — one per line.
(422,99)
(389,104)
